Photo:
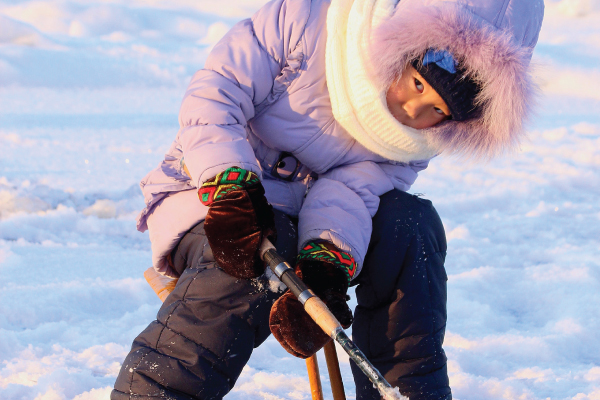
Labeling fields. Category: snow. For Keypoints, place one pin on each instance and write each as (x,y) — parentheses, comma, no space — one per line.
(89,94)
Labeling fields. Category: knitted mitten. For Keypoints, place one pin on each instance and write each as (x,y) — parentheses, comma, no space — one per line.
(327,271)
(238,219)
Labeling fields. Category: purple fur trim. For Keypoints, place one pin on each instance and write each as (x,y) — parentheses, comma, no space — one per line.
(489,55)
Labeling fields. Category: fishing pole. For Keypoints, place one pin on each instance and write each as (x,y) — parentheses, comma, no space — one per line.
(321,314)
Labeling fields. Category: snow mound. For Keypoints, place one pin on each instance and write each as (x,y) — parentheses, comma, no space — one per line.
(102,209)
(561,80)
(95,394)
(22,34)
(11,203)
(4,252)
(578,8)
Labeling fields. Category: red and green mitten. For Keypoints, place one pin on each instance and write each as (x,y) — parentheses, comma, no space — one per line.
(327,271)
(239,217)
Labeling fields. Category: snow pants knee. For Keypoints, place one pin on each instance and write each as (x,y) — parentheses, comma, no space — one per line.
(400,319)
(205,330)
(209,325)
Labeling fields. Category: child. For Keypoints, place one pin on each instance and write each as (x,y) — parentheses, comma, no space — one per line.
(307,125)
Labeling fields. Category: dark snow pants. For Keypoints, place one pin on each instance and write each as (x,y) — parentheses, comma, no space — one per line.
(400,319)
(208,326)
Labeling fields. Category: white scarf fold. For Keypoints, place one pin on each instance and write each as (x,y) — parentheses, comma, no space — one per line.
(358,104)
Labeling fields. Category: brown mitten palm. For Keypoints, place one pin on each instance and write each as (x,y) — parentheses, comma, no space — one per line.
(238,219)
(327,271)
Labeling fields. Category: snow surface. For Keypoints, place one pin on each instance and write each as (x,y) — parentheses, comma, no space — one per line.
(89,94)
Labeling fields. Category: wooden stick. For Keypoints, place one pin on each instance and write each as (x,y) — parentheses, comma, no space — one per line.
(335,375)
(314,377)
(162,285)
(318,311)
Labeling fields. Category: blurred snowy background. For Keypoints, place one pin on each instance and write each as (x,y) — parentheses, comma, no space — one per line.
(89,95)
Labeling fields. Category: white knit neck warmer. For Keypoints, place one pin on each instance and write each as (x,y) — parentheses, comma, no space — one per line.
(358,104)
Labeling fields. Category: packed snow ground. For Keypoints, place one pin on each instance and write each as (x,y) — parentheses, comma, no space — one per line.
(89,94)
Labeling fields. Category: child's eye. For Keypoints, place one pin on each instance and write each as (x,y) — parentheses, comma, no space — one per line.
(419,85)
(439,111)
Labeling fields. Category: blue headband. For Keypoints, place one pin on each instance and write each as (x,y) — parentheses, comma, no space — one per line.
(442,58)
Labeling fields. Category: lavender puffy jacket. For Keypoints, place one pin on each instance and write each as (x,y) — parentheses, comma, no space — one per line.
(262,92)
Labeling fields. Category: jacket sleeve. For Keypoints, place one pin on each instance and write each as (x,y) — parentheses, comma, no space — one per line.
(238,75)
(341,203)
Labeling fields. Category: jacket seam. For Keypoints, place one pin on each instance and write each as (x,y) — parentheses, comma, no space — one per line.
(287,84)
(158,383)
(429,299)
(134,369)
(341,155)
(263,48)
(212,364)
(166,388)
(314,137)
(301,42)
(234,82)
(145,396)
(171,313)
(179,333)
(433,370)
(296,199)
(502,14)
(298,72)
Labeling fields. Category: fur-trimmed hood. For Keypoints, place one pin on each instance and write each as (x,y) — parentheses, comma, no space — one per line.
(493,40)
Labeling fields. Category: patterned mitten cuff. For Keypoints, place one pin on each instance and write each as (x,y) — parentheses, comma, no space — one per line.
(328,253)
(233,178)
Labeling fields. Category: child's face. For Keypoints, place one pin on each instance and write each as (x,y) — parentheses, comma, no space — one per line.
(414,103)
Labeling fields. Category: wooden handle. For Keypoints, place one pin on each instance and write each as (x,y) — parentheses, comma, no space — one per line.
(335,375)
(314,377)
(162,285)
(322,316)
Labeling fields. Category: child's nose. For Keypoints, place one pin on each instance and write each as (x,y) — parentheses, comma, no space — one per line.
(413,108)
